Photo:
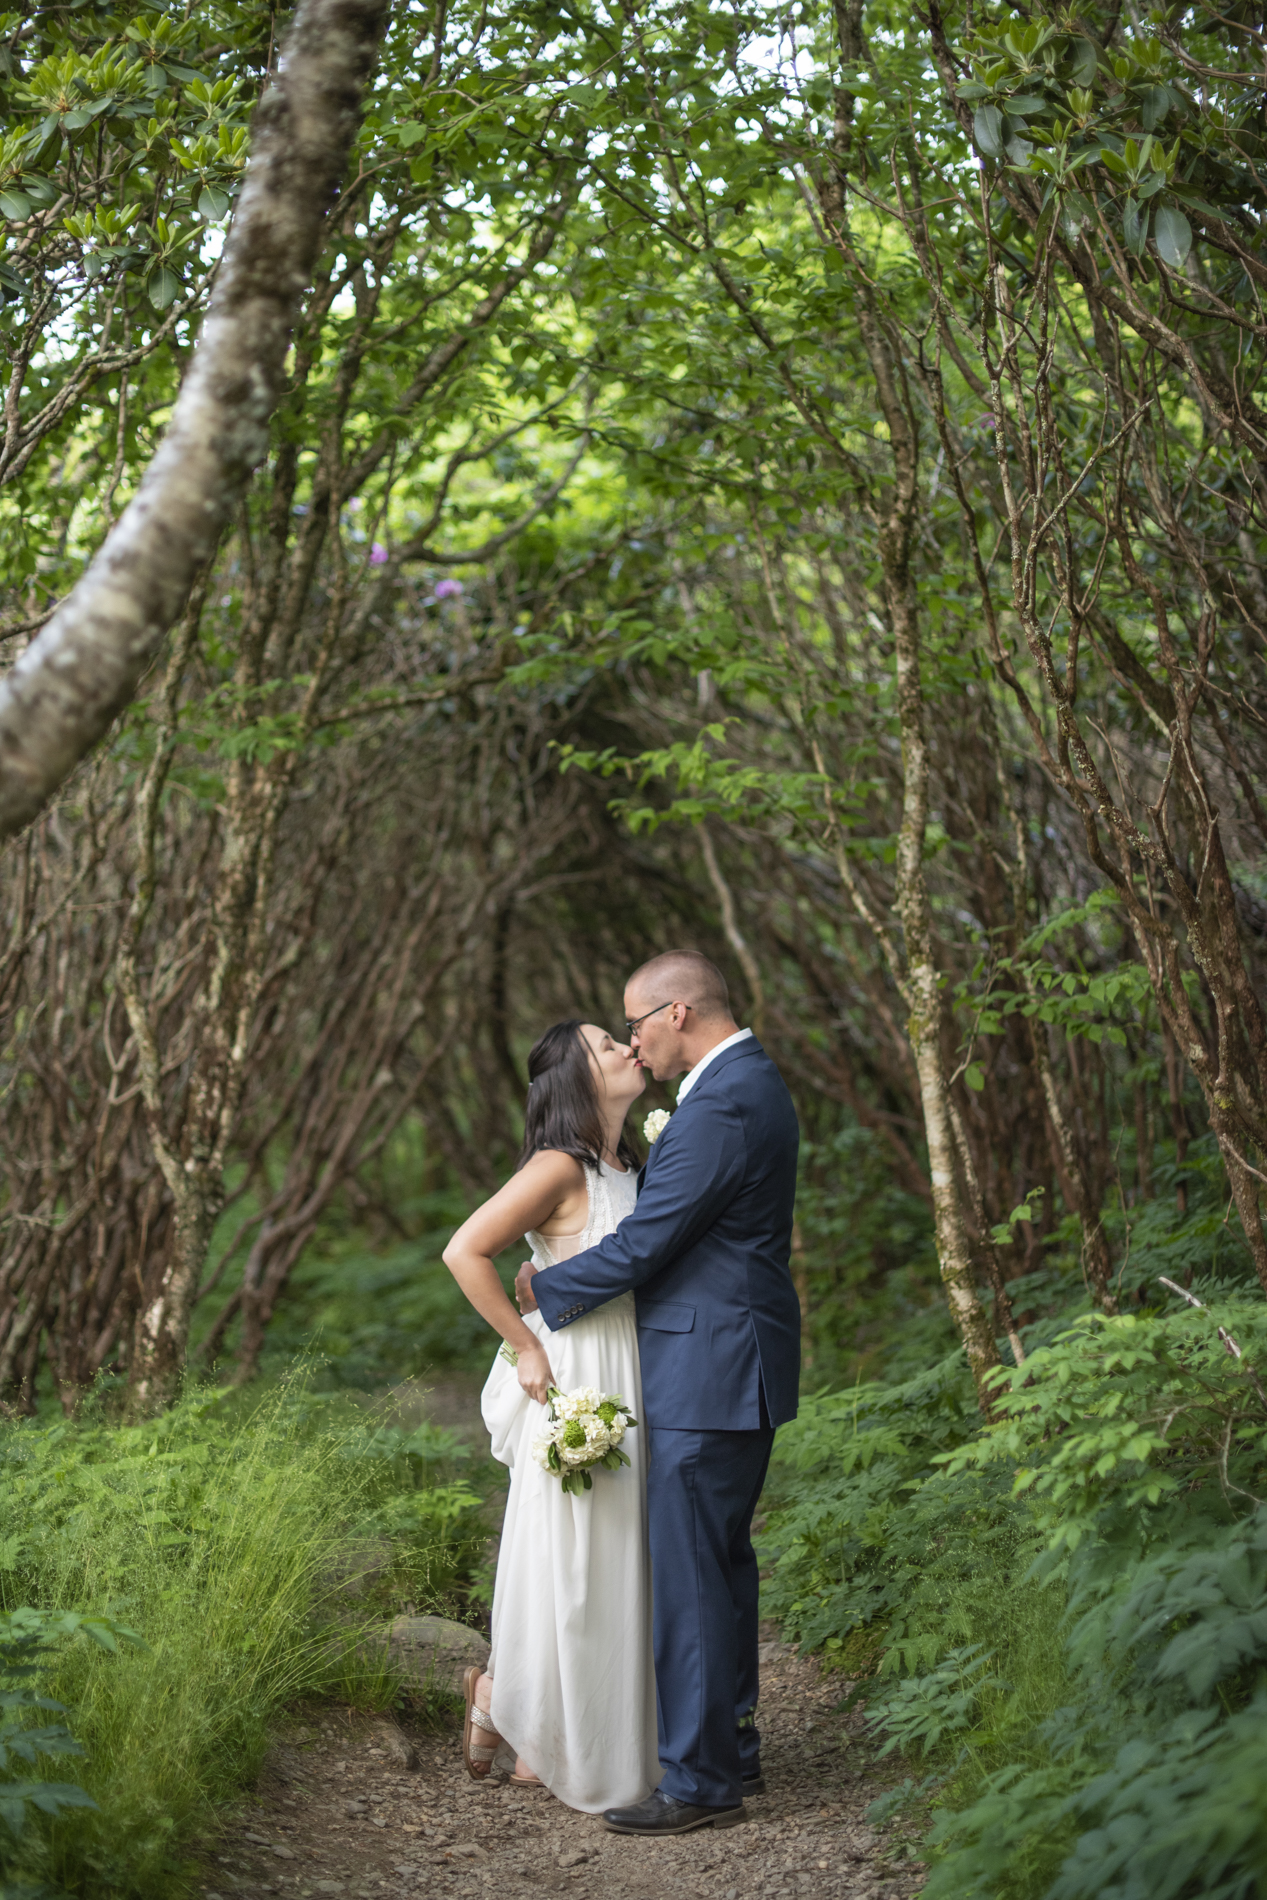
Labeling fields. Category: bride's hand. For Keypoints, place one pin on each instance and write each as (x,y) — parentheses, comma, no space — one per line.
(523,1288)
(535,1376)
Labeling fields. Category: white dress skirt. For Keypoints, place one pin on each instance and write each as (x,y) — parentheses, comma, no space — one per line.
(573,1677)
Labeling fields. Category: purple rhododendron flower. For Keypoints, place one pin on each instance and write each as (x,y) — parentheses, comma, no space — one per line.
(378,554)
(445,590)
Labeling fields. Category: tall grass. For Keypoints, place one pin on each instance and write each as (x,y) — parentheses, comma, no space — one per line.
(207,1532)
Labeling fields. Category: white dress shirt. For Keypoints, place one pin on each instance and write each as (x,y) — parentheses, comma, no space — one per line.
(692,1076)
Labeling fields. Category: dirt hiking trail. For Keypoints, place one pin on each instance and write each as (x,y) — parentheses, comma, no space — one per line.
(364,1806)
(338,1812)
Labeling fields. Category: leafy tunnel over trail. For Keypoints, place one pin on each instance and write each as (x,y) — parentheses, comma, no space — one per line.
(835,440)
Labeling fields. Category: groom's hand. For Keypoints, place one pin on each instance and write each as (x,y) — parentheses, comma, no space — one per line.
(523,1288)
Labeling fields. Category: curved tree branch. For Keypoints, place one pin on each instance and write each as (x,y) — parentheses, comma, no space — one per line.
(64,690)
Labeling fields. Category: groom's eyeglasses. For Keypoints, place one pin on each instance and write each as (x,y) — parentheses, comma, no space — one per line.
(632,1026)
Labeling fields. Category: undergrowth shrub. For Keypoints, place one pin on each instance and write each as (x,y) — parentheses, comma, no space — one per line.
(29,1740)
(423,1500)
(206,1532)
(869,1534)
(1060,1618)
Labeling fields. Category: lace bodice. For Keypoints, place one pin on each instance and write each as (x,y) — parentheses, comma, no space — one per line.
(612,1195)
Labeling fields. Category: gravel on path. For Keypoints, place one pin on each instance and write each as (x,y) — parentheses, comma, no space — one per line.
(354,1805)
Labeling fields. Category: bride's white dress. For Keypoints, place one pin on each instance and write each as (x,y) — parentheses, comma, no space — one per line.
(573,1680)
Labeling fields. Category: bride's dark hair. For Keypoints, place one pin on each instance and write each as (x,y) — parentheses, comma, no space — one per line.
(563,1109)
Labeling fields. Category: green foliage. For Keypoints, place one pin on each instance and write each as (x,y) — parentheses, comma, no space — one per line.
(861,1507)
(193,1551)
(27,1637)
(124,133)
(379,1315)
(866,1248)
(1049,100)
(1067,1607)
(1146,1773)
(920,1710)
(1122,1412)
(423,1495)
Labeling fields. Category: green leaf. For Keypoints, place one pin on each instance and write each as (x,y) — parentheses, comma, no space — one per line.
(987,130)
(213,203)
(1173,236)
(1134,227)
(974,1077)
(15,204)
(1156,104)
(162,287)
(1202,205)
(410,133)
(1085,63)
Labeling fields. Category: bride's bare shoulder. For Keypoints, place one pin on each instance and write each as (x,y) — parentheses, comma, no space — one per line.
(548,1189)
(550,1167)
(558,1190)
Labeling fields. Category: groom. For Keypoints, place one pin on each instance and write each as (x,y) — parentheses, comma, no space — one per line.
(706,1250)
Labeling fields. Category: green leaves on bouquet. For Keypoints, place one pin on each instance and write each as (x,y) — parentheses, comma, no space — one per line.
(585,1430)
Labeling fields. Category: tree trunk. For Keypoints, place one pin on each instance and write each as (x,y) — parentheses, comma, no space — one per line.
(920,977)
(161,1336)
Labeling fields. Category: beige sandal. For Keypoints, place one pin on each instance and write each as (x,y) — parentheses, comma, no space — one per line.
(478,1757)
(525,1781)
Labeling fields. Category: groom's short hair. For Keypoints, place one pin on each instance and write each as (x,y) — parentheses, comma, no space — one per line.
(691,978)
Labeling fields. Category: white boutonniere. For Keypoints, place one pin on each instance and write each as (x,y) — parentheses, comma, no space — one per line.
(656,1123)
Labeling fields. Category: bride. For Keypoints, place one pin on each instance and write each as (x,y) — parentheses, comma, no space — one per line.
(570,1684)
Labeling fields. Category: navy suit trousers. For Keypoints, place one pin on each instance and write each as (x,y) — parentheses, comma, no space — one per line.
(702,1489)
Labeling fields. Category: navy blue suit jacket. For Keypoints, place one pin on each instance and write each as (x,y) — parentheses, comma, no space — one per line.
(706,1251)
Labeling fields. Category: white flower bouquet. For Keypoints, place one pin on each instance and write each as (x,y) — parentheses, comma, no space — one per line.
(585,1429)
(656,1123)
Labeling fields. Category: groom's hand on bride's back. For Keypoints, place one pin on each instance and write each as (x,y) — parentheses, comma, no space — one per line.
(523,1288)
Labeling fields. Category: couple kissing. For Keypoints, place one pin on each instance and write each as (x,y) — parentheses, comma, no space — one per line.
(657,1347)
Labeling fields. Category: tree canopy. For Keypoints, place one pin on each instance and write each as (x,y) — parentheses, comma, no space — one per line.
(830,436)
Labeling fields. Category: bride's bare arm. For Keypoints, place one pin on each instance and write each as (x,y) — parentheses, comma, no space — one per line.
(526,1203)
